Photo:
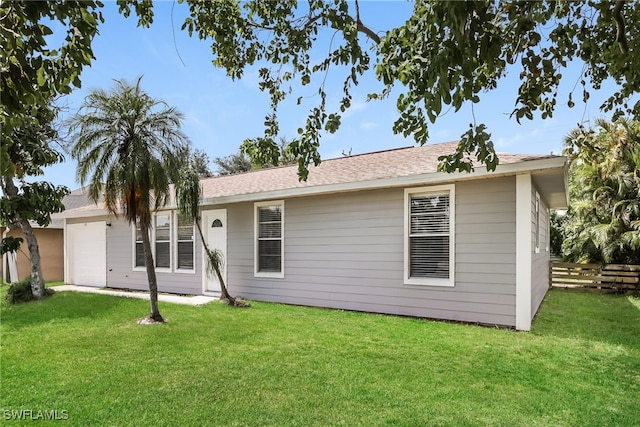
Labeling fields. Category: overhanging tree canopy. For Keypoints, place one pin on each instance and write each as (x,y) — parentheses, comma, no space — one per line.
(446,55)
(32,71)
(32,74)
(29,149)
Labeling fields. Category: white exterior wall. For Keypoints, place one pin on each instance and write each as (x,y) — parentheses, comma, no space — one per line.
(346,251)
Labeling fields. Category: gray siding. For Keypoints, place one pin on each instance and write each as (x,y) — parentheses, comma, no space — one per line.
(540,260)
(121,274)
(346,251)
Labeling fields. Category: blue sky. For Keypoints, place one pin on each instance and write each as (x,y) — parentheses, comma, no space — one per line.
(221,113)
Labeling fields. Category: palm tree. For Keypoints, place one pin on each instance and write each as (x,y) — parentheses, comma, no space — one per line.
(188,195)
(604,218)
(127,145)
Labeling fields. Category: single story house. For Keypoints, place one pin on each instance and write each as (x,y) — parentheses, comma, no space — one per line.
(382,232)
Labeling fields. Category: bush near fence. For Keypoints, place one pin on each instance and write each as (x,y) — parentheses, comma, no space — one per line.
(605,278)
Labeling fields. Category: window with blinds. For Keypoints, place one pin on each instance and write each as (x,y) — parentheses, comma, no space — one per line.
(139,260)
(163,240)
(536,225)
(172,243)
(269,244)
(429,239)
(185,243)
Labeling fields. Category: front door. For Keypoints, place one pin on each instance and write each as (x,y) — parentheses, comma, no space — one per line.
(214,224)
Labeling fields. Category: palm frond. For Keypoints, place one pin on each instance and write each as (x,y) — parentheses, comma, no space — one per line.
(126,142)
(188,193)
(215,262)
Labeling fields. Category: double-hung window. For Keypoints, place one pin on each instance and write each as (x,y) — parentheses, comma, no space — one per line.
(139,260)
(429,236)
(163,240)
(185,243)
(536,223)
(269,245)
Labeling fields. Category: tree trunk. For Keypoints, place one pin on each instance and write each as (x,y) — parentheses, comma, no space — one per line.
(224,294)
(151,274)
(37,281)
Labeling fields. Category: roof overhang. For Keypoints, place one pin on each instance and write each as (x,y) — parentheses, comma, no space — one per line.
(553,185)
(551,172)
(84,212)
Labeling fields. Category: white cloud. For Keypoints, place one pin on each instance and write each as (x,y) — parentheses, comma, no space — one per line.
(368,125)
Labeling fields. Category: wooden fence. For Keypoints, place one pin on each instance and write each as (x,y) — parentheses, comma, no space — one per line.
(607,278)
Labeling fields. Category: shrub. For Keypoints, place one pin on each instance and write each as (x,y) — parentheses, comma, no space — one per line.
(21,292)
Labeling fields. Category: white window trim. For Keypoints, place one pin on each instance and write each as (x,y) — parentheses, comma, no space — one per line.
(256,273)
(423,281)
(133,252)
(536,213)
(171,242)
(547,246)
(175,247)
(152,238)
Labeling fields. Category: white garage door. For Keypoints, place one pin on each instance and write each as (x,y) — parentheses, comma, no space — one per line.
(87,254)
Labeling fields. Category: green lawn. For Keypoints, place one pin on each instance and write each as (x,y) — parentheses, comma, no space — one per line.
(282,365)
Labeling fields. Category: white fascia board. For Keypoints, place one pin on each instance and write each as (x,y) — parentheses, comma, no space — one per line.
(403,181)
(96,212)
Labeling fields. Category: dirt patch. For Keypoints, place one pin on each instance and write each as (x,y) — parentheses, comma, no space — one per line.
(150,321)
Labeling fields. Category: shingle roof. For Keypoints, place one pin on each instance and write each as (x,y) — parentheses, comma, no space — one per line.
(76,199)
(393,163)
(361,168)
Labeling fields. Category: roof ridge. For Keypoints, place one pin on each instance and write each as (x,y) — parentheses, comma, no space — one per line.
(386,150)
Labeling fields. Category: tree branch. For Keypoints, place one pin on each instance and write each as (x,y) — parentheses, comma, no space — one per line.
(363,28)
(307,23)
(621,37)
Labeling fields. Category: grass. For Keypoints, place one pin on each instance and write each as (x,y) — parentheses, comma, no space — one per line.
(283,365)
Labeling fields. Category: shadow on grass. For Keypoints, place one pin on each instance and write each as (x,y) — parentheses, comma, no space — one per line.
(66,306)
(607,318)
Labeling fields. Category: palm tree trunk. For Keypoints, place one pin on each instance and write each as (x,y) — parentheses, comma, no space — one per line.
(151,275)
(37,281)
(224,294)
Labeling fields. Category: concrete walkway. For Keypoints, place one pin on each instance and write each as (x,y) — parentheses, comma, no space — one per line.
(176,299)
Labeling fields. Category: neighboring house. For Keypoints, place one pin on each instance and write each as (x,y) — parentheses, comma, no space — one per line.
(381,232)
(51,246)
